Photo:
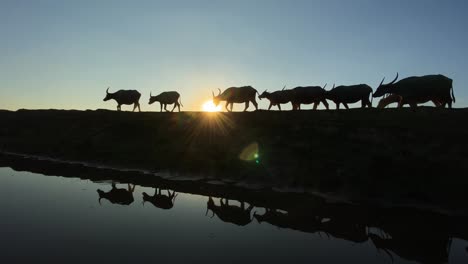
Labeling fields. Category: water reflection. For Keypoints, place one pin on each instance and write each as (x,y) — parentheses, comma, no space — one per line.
(422,237)
(160,200)
(118,195)
(410,234)
(392,234)
(296,219)
(238,215)
(345,221)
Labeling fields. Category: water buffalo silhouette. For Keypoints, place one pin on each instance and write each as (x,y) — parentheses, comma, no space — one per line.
(118,195)
(350,94)
(166,98)
(245,94)
(124,97)
(394,98)
(160,200)
(278,97)
(238,215)
(309,95)
(417,89)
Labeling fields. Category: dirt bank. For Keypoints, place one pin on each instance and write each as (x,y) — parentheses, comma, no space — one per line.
(390,153)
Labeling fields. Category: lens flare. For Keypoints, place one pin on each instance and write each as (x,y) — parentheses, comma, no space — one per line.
(209,106)
(250,153)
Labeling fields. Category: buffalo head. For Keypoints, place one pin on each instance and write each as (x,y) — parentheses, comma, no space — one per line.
(152,99)
(265,94)
(384,88)
(108,95)
(330,95)
(217,98)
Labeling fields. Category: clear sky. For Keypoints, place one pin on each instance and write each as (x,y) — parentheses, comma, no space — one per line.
(64,54)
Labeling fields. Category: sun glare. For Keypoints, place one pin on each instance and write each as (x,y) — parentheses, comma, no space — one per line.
(209,106)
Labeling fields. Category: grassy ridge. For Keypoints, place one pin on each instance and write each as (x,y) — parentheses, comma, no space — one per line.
(390,153)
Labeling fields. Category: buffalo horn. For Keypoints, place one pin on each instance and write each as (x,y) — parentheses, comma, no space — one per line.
(396,78)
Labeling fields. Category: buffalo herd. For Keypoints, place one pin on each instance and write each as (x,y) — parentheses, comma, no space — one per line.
(437,89)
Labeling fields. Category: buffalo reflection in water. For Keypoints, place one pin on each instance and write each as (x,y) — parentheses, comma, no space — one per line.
(238,215)
(415,236)
(161,200)
(311,219)
(300,220)
(118,195)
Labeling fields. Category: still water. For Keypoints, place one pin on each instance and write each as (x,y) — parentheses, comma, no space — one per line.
(67,220)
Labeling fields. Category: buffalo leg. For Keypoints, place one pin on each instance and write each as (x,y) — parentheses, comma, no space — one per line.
(346,105)
(279,107)
(178,106)
(227,105)
(174,107)
(165,107)
(324,101)
(246,105)
(160,104)
(135,105)
(315,105)
(255,104)
(337,105)
(449,103)
(232,106)
(365,102)
(138,104)
(293,105)
(269,107)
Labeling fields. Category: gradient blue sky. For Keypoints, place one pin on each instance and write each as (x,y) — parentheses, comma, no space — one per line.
(64,54)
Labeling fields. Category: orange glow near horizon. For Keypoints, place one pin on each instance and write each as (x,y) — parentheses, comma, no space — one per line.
(209,106)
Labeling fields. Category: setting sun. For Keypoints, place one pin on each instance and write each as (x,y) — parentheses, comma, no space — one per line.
(209,106)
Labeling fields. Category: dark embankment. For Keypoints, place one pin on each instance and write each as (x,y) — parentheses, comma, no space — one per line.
(391,154)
